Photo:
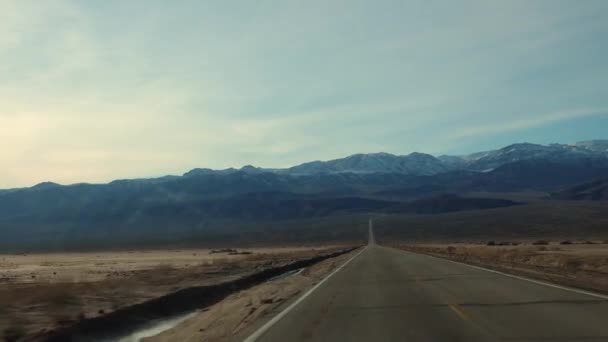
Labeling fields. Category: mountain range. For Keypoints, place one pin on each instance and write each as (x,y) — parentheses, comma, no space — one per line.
(361,183)
(422,164)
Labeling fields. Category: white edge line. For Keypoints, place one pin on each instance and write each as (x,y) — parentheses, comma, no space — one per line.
(566,288)
(283,313)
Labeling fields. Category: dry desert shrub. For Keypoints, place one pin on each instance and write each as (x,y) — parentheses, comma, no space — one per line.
(573,264)
(164,268)
(63,298)
(13,333)
(55,296)
(540,242)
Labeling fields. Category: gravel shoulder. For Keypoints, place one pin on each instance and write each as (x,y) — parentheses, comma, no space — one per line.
(581,264)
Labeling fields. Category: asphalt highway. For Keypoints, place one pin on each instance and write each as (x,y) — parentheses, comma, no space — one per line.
(384,294)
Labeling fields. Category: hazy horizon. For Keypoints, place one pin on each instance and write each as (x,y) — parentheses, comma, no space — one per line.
(96,91)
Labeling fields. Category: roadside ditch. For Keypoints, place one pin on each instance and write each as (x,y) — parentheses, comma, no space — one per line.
(124,322)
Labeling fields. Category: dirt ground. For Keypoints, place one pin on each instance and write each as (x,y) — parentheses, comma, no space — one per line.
(582,264)
(40,292)
(230,319)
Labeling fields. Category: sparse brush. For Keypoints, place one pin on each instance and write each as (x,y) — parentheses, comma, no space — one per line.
(540,242)
(63,298)
(63,320)
(13,333)
(164,267)
(574,263)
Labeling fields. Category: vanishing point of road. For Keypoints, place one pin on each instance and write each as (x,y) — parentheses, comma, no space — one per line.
(384,294)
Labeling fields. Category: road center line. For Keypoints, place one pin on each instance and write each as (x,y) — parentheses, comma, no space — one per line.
(253,337)
(460,311)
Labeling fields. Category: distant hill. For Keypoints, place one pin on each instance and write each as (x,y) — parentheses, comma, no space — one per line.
(548,220)
(424,164)
(188,205)
(594,145)
(268,206)
(449,203)
(556,153)
(412,164)
(420,164)
(596,190)
(541,173)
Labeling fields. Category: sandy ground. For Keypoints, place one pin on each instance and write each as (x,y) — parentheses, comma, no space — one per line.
(234,317)
(95,266)
(39,292)
(579,264)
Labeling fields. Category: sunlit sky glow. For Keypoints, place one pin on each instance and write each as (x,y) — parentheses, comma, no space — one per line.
(98,90)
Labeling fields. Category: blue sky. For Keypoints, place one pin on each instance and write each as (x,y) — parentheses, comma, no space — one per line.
(98,90)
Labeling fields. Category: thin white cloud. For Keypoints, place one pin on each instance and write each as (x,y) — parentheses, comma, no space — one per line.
(531,121)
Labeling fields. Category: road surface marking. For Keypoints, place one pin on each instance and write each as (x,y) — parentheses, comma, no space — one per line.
(465,316)
(460,311)
(539,282)
(253,337)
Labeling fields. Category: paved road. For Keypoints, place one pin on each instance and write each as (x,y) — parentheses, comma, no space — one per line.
(390,295)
